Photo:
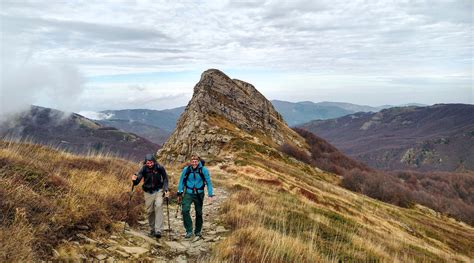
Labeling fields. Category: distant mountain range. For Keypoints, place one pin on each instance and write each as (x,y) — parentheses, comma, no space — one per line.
(434,138)
(74,133)
(157,125)
(296,113)
(154,125)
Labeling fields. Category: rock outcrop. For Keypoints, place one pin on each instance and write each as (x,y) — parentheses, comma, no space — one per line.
(220,110)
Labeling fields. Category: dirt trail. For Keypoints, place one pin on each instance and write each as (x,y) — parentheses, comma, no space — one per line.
(135,244)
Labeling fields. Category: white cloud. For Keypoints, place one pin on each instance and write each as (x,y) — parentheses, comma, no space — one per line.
(136,96)
(359,40)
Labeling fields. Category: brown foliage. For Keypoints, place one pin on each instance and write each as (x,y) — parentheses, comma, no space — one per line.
(323,154)
(444,192)
(379,186)
(296,153)
(449,193)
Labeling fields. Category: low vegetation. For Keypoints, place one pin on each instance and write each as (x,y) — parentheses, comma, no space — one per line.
(322,154)
(449,193)
(49,196)
(445,192)
(285,211)
(279,210)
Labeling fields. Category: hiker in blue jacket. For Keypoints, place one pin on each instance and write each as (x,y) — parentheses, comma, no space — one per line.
(193,180)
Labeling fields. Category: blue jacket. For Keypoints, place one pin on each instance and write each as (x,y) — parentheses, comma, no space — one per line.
(195,181)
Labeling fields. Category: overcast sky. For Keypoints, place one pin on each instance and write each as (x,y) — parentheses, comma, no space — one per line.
(96,55)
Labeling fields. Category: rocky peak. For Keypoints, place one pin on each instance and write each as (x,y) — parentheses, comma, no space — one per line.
(221,109)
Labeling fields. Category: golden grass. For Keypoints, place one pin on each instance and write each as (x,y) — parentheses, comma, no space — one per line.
(282,211)
(279,210)
(56,191)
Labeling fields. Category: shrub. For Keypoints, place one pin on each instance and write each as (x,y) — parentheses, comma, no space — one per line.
(296,153)
(323,155)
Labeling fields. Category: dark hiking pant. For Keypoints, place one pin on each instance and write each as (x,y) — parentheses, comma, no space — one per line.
(198,200)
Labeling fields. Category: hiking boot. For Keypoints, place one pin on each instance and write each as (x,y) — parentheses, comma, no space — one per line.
(158,234)
(188,235)
(152,233)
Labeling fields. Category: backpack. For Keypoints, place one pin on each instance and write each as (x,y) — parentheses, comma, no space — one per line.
(201,174)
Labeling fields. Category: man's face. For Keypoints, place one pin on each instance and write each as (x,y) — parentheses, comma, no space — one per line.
(194,163)
(149,164)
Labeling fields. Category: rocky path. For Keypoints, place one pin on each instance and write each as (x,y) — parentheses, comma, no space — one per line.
(135,244)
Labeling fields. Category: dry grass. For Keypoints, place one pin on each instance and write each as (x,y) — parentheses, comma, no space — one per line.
(281,210)
(46,194)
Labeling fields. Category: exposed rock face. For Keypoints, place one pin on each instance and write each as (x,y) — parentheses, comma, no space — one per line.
(222,108)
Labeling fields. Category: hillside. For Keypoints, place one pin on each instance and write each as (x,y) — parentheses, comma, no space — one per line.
(434,138)
(297,113)
(154,125)
(150,132)
(284,210)
(74,133)
(301,112)
(51,198)
(163,119)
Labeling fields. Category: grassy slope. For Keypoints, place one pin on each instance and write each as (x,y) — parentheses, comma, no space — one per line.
(279,210)
(284,211)
(46,194)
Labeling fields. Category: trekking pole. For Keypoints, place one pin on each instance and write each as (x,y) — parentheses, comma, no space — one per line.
(168,210)
(128,206)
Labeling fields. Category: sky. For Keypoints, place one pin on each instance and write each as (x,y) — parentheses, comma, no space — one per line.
(98,55)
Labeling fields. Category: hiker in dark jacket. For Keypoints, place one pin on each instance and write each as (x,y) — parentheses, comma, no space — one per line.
(155,187)
(192,182)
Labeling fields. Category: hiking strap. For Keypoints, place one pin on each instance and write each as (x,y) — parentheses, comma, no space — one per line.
(201,174)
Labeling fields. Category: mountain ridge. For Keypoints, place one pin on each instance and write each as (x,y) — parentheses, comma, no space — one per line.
(74,133)
(437,137)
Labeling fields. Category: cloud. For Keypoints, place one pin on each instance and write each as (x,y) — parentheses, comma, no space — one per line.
(357,39)
(26,80)
(116,96)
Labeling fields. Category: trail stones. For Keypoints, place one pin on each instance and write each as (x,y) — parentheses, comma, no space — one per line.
(175,246)
(123,254)
(136,245)
(143,236)
(192,251)
(135,251)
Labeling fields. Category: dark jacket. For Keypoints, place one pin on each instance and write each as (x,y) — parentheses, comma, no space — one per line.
(154,178)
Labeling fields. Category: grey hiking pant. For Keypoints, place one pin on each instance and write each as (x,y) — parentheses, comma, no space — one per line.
(154,210)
